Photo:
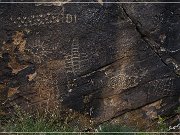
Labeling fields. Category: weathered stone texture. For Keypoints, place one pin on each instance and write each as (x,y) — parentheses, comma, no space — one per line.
(103,62)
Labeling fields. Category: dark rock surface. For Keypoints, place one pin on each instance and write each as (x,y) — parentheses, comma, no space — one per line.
(110,62)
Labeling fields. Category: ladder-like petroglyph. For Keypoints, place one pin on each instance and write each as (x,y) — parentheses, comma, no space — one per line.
(75,63)
(76,60)
(73,60)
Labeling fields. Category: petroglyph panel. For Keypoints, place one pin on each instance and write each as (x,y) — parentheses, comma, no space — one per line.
(40,50)
(93,59)
(166,86)
(123,81)
(44,19)
(76,61)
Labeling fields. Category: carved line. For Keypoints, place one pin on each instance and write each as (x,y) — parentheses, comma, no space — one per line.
(43,19)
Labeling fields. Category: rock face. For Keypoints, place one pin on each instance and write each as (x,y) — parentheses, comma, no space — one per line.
(105,62)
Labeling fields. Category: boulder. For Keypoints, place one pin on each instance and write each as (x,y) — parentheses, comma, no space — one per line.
(114,62)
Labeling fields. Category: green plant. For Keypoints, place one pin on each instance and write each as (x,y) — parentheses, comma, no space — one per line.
(146,133)
(162,126)
(30,124)
(114,128)
(25,122)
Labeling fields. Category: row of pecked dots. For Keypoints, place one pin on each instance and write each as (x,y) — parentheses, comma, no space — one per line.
(42,19)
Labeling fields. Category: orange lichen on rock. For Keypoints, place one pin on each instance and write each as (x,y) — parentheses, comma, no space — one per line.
(18,40)
(1,87)
(15,66)
(14,61)
(31,76)
(12,91)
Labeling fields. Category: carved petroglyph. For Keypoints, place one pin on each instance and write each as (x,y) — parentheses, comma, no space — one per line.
(122,81)
(40,50)
(76,60)
(73,60)
(75,63)
(161,87)
(44,19)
